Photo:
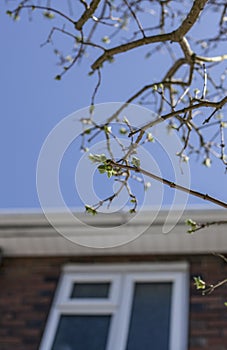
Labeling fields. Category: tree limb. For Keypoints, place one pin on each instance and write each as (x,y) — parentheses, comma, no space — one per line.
(170,183)
(87,14)
(190,20)
(176,35)
(129,46)
(216,105)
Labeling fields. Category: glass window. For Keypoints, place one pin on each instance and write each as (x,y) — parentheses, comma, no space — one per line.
(81,332)
(150,317)
(119,307)
(90,290)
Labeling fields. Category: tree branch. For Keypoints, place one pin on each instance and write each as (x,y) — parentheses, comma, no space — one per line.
(200,226)
(190,20)
(216,105)
(170,183)
(211,59)
(87,14)
(176,35)
(129,46)
(49,9)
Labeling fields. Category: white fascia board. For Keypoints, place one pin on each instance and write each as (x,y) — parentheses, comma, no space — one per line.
(30,234)
(181,266)
(38,218)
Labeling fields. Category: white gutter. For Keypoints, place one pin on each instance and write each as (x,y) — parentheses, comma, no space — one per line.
(30,234)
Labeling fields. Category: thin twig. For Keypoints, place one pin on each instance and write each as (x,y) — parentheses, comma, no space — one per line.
(216,105)
(170,183)
(205,83)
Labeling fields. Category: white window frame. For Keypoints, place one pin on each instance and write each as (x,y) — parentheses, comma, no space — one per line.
(122,278)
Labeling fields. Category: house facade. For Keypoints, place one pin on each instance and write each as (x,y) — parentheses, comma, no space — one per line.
(59,295)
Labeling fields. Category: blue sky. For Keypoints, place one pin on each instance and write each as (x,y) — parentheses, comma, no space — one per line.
(32,103)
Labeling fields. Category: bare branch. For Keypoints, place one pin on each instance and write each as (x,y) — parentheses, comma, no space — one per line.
(216,105)
(200,226)
(176,36)
(211,59)
(135,17)
(205,82)
(87,14)
(129,46)
(191,18)
(49,9)
(212,287)
(170,183)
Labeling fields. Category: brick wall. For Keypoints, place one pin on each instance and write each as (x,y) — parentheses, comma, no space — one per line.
(27,287)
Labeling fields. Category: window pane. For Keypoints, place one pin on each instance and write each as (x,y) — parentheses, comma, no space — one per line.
(150,317)
(90,290)
(82,332)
